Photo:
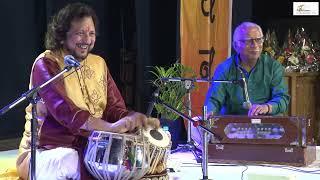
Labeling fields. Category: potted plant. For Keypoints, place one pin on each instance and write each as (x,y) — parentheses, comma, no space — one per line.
(172,93)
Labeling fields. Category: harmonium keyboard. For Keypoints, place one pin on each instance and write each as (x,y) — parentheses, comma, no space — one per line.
(262,139)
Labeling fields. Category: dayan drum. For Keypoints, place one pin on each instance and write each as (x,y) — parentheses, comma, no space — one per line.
(116,156)
(159,147)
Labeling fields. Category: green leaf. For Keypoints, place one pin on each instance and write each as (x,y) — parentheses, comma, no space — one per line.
(171,93)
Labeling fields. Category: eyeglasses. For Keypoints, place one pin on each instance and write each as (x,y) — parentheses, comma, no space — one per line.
(249,42)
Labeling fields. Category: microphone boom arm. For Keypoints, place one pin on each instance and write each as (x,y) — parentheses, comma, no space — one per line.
(195,123)
(29,94)
(178,79)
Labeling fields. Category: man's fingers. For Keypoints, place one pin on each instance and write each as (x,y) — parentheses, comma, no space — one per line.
(257,110)
(262,109)
(252,110)
(157,123)
(136,121)
(133,123)
(153,122)
(140,123)
(144,122)
(120,126)
(122,129)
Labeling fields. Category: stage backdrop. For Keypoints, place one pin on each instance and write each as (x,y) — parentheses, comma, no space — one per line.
(205,30)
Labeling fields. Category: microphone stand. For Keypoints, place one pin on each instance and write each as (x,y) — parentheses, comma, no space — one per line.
(189,146)
(189,84)
(204,123)
(205,146)
(247,104)
(33,98)
(204,126)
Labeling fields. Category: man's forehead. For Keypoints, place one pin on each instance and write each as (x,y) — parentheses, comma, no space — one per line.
(251,31)
(83,20)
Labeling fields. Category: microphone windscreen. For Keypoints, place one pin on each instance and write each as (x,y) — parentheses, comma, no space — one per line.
(246,105)
(69,60)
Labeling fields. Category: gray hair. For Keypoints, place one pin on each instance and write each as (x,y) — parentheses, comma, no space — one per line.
(244,25)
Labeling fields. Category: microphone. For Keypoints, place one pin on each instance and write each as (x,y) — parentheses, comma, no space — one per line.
(247,104)
(69,60)
(153,102)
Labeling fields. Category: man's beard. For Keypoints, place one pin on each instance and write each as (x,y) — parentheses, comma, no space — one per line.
(76,56)
(82,57)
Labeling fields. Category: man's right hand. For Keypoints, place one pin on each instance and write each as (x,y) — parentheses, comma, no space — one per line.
(134,121)
(123,125)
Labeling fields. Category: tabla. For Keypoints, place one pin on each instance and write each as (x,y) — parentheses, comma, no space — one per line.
(116,156)
(159,147)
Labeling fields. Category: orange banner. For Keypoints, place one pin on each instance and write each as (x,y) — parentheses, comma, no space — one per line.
(205,30)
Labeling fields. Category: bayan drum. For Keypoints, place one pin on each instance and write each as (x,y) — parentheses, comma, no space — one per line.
(159,147)
(116,156)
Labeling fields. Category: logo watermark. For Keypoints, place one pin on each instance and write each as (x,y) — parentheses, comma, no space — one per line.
(306,8)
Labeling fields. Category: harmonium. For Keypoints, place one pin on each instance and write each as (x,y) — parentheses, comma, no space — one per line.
(262,139)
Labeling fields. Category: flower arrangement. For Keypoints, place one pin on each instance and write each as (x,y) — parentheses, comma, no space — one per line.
(298,53)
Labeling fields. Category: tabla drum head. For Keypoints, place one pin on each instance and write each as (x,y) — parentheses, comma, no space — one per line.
(157,137)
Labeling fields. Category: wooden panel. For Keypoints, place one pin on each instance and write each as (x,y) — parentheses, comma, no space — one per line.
(254,153)
(304,90)
(272,130)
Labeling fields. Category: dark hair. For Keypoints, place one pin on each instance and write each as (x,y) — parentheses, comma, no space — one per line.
(61,23)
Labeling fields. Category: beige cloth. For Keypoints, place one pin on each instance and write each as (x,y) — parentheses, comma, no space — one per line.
(23,158)
(53,164)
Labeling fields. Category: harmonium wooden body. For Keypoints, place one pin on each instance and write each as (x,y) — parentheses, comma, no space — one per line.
(262,139)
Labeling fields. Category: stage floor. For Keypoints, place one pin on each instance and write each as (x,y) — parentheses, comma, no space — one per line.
(185,167)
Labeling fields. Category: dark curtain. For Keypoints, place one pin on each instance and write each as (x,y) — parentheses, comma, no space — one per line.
(22,31)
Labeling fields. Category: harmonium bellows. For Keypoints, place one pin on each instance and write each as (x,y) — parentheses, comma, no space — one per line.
(266,139)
